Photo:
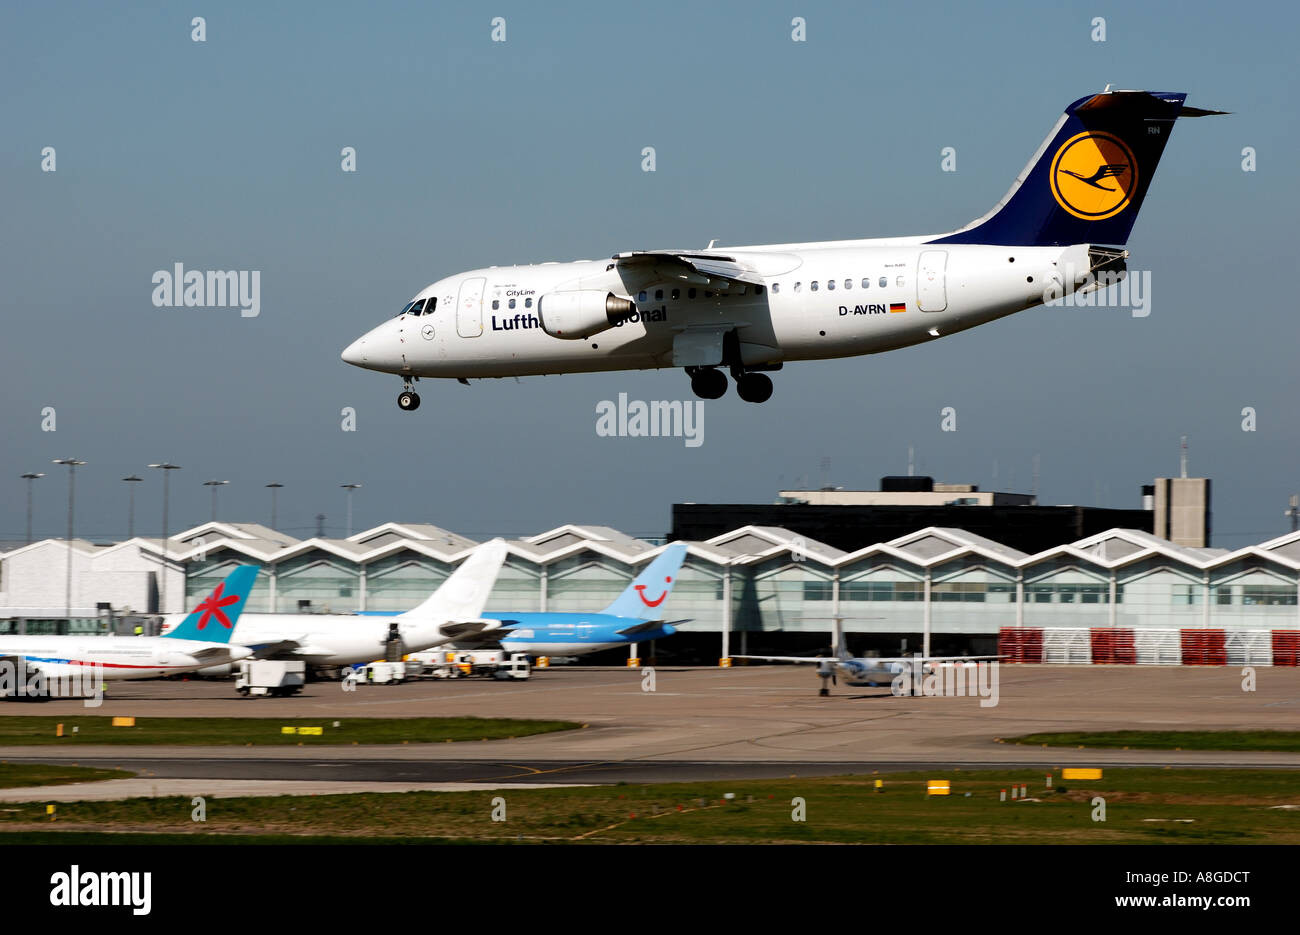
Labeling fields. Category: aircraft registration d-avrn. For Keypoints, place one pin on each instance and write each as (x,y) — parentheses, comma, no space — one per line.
(749,310)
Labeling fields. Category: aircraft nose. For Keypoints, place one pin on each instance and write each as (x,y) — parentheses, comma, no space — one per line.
(355,353)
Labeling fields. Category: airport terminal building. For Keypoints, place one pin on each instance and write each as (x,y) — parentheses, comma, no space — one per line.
(1121,595)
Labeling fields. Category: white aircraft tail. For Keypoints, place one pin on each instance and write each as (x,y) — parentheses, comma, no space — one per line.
(463,595)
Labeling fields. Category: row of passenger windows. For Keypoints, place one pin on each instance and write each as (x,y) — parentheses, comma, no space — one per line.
(832,284)
(814,286)
(419,307)
(675,294)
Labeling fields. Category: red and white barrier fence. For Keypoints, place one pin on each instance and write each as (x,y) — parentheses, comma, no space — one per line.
(1128,646)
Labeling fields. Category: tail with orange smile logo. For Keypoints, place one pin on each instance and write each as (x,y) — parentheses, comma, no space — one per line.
(645,596)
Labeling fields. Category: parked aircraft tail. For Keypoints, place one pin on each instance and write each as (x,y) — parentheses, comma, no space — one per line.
(462,596)
(213,620)
(645,596)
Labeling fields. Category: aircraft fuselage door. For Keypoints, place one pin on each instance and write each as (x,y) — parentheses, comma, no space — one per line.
(931,292)
(469,308)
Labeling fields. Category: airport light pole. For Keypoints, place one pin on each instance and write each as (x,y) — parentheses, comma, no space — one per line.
(349,488)
(130,509)
(214,484)
(72,464)
(29,477)
(162,589)
(275,488)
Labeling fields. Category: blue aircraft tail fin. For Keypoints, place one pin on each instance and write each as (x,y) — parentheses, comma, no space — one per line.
(213,620)
(645,596)
(1087,181)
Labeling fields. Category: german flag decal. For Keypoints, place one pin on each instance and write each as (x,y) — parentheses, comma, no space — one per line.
(897,306)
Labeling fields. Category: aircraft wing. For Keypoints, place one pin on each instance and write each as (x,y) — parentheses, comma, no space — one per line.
(289,649)
(210,652)
(468,629)
(487,637)
(709,270)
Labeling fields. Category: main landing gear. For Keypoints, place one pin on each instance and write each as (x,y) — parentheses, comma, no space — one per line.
(711,383)
(408,400)
(828,678)
(753,387)
(707,382)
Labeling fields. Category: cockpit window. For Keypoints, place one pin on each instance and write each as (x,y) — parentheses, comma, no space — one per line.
(407,308)
(418,307)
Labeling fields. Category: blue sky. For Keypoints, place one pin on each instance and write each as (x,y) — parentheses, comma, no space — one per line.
(225,155)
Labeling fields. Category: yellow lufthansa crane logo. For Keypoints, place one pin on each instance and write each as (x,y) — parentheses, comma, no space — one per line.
(1094,175)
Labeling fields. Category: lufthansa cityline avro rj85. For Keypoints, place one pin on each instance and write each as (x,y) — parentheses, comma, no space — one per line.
(1064,222)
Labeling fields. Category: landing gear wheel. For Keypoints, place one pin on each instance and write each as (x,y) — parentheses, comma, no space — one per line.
(754,387)
(709,383)
(408,400)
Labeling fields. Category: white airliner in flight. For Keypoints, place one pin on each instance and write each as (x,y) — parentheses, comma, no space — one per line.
(748,310)
(453,611)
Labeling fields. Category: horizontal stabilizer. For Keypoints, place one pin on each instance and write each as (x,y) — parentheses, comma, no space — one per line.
(645,627)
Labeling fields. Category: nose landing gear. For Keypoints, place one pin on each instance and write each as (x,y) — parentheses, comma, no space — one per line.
(408,400)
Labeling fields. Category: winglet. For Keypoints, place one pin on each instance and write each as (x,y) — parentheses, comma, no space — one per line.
(213,620)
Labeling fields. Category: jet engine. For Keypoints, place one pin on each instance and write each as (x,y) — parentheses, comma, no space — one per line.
(574,315)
